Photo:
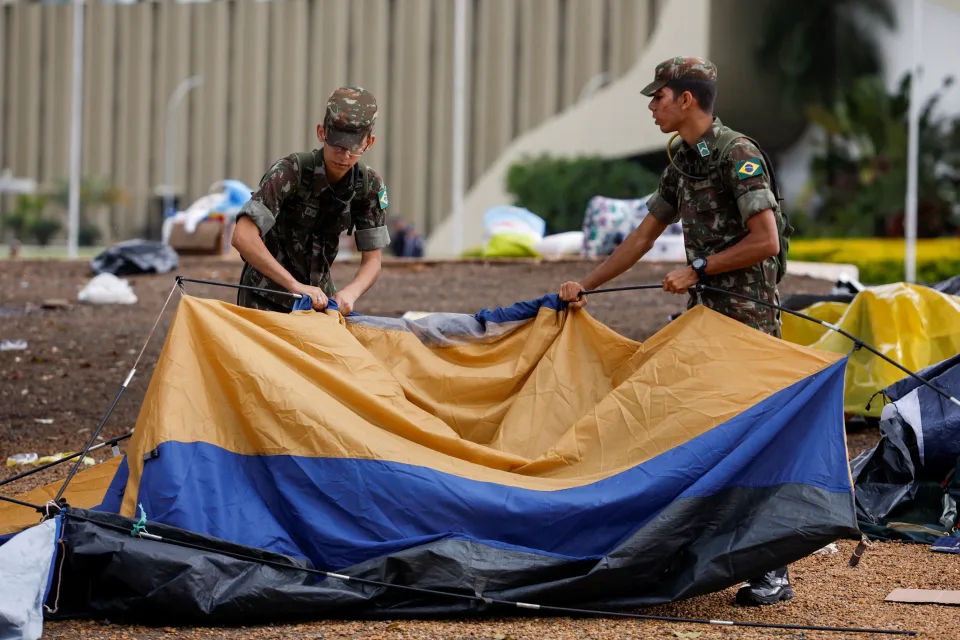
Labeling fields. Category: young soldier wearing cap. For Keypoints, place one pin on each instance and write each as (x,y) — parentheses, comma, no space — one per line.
(720,186)
(288,233)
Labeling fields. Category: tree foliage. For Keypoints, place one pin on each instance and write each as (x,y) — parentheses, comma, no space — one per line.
(815,47)
(867,130)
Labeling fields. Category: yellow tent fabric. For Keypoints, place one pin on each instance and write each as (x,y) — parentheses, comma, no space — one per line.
(801,331)
(560,401)
(86,490)
(912,324)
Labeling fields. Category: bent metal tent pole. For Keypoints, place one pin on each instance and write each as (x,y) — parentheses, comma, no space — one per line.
(181,279)
(858,343)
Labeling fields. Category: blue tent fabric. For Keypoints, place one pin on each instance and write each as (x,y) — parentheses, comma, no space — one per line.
(912,476)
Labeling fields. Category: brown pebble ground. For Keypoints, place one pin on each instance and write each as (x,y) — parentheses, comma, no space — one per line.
(53,394)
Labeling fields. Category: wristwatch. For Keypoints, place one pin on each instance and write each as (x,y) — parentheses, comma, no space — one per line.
(699,265)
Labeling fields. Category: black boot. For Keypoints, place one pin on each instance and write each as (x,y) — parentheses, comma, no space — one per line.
(770,588)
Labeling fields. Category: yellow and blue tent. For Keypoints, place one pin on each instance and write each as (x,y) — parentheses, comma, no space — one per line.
(526,452)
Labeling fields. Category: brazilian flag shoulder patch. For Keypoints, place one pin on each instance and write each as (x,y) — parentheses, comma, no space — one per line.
(382,196)
(749,168)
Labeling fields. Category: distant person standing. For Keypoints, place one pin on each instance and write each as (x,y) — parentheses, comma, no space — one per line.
(288,233)
(720,186)
(406,242)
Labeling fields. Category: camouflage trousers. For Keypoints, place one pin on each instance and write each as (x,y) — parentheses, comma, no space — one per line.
(754,315)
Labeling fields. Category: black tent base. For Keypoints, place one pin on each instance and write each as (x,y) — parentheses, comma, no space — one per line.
(169,576)
(110,567)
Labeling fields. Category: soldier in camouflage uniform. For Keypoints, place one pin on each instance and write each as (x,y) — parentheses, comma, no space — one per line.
(718,185)
(288,233)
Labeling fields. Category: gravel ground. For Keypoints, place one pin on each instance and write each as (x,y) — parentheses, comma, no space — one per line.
(54,393)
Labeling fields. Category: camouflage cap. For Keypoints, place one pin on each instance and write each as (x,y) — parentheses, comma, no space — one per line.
(676,68)
(351,114)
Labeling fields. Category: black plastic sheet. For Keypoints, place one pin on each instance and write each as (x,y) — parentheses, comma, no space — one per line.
(693,547)
(135,257)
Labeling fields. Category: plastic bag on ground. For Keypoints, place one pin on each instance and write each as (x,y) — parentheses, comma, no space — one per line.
(560,244)
(510,245)
(107,288)
(512,220)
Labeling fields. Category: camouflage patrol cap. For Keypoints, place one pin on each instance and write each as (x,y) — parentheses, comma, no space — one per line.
(351,114)
(676,68)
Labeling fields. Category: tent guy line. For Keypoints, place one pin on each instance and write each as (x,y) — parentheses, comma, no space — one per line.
(145,535)
(123,387)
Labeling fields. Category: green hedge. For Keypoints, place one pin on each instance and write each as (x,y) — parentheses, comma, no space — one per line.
(558,189)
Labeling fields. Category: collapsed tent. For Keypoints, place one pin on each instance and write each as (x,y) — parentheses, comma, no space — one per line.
(911,324)
(908,485)
(524,453)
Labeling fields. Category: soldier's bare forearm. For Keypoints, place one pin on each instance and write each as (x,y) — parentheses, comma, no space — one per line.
(246,239)
(368,272)
(634,247)
(761,243)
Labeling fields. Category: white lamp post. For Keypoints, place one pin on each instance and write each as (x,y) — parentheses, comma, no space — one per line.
(913,152)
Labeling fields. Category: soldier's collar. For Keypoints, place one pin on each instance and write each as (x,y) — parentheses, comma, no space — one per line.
(705,146)
(320,177)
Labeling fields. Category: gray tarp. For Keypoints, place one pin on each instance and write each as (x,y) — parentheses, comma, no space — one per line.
(26,563)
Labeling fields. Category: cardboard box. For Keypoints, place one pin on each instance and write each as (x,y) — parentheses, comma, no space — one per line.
(212,237)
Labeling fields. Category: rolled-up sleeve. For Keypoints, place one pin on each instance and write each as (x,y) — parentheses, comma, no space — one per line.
(662,205)
(265,204)
(746,172)
(370,215)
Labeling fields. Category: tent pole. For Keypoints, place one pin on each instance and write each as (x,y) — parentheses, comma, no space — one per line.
(856,341)
(30,472)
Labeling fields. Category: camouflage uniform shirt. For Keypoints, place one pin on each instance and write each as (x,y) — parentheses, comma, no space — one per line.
(301,225)
(714,211)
